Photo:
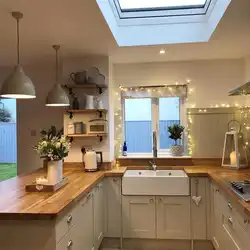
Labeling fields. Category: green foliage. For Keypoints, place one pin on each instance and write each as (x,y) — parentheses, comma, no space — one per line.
(53,145)
(7,171)
(5,115)
(175,132)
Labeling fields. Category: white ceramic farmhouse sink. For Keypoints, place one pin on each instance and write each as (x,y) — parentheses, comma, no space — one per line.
(160,182)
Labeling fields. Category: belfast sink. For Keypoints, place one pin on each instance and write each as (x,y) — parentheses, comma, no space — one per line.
(159,182)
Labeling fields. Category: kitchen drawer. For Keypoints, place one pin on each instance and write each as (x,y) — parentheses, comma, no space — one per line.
(64,243)
(65,222)
(243,219)
(229,242)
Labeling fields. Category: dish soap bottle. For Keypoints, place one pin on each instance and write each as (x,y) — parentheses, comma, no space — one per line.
(124,149)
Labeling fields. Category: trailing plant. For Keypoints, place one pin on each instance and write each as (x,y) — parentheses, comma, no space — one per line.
(175,132)
(53,145)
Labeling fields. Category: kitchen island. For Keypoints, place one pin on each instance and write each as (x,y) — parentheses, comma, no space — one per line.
(56,221)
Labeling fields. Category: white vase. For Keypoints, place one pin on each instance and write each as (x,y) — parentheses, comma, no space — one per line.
(55,171)
(176,150)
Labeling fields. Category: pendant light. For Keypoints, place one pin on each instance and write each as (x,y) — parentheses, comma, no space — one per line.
(18,85)
(57,97)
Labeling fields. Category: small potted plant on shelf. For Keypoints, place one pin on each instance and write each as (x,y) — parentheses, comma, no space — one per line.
(54,147)
(176,132)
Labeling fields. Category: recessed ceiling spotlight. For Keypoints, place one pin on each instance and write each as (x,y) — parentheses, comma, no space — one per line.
(162,51)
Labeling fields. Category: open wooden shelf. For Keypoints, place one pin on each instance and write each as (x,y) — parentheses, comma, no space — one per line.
(88,135)
(87,111)
(86,86)
(99,135)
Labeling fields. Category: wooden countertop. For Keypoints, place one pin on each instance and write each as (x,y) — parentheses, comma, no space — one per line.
(16,203)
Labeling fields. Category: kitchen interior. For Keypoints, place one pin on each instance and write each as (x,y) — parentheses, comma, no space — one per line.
(128,137)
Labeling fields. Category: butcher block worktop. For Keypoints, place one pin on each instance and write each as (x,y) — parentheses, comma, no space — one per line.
(16,203)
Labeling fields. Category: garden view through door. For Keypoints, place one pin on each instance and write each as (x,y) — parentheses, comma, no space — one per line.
(8,140)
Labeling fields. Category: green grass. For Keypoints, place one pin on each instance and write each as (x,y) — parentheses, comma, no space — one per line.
(7,170)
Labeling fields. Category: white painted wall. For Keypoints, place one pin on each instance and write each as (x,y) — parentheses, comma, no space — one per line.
(211,80)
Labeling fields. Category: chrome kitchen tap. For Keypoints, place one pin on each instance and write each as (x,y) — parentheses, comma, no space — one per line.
(153,164)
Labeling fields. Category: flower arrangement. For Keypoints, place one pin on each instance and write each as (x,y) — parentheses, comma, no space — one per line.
(53,145)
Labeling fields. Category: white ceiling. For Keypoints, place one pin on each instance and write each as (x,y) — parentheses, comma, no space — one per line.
(80,28)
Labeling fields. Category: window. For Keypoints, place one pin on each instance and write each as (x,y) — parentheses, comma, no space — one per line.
(8,139)
(133,5)
(144,115)
(138,125)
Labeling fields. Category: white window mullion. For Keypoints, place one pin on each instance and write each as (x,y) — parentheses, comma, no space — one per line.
(155,119)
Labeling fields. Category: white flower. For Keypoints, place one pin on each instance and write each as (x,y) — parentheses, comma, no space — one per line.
(58,145)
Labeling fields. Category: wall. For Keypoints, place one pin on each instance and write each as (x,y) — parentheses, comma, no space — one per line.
(33,115)
(80,64)
(211,81)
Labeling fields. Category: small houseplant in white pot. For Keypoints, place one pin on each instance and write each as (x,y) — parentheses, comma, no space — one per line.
(53,146)
(176,132)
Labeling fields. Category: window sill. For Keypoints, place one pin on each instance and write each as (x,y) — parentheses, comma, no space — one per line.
(150,156)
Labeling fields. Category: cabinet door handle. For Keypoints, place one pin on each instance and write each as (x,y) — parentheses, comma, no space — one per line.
(114,180)
(160,200)
(151,200)
(217,190)
(230,220)
(70,243)
(89,196)
(69,219)
(230,206)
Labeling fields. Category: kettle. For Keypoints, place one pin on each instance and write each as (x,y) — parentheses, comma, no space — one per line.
(92,162)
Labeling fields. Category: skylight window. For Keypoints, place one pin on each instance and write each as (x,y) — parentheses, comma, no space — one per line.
(134,5)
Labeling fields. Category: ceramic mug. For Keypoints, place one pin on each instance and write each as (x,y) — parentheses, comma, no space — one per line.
(78,77)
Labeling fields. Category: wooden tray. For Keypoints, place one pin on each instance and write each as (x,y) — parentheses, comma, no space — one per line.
(34,187)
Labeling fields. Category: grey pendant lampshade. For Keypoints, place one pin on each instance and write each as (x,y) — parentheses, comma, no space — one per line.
(57,96)
(18,85)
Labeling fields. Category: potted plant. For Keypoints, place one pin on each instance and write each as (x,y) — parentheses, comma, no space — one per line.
(54,147)
(176,132)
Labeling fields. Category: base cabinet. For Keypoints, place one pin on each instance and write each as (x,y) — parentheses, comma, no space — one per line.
(113,206)
(230,225)
(138,216)
(98,214)
(173,217)
(152,217)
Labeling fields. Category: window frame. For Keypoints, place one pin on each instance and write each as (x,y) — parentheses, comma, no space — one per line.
(161,12)
(155,115)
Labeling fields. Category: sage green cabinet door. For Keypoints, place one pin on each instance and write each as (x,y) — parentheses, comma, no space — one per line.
(138,216)
(98,214)
(216,218)
(173,217)
(86,227)
(112,207)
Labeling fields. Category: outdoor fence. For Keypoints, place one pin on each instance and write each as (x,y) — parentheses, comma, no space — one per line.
(8,144)
(139,135)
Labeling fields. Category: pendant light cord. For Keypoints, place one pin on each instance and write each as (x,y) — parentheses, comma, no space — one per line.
(18,42)
(18,16)
(56,48)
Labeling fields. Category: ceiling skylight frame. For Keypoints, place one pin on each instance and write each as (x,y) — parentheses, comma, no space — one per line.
(161,12)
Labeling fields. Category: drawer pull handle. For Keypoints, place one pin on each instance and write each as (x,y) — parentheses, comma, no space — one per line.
(89,196)
(217,190)
(69,218)
(151,200)
(230,220)
(70,243)
(230,206)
